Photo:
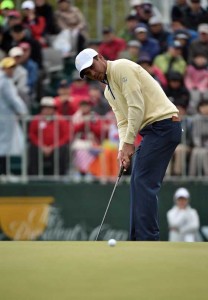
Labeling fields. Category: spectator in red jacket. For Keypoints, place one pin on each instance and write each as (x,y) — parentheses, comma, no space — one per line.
(111,45)
(49,136)
(35,23)
(65,103)
(79,89)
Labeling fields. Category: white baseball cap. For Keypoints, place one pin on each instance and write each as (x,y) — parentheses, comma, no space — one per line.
(16,51)
(47,101)
(28,5)
(203,28)
(84,59)
(181,193)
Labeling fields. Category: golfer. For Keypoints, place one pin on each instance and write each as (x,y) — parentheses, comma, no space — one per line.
(140,105)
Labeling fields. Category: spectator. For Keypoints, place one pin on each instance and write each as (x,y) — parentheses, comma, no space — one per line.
(176,89)
(180,161)
(2,53)
(146,62)
(183,38)
(127,33)
(20,75)
(67,15)
(19,35)
(199,154)
(171,60)
(178,26)
(49,140)
(158,32)
(13,17)
(45,9)
(195,15)
(5,7)
(200,45)
(183,221)
(144,10)
(11,105)
(100,105)
(197,74)
(178,10)
(35,23)
(31,67)
(79,88)
(132,51)
(87,143)
(65,103)
(94,44)
(111,45)
(148,44)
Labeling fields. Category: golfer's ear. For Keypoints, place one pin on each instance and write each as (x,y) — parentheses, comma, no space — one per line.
(99,56)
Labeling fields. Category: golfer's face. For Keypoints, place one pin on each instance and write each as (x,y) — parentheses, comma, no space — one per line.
(98,69)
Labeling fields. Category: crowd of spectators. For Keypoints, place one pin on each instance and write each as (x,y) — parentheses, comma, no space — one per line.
(38,44)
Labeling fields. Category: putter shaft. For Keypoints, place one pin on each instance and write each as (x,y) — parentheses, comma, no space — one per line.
(117,181)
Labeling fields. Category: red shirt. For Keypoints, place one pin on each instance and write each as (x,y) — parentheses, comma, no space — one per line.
(110,50)
(67,108)
(42,132)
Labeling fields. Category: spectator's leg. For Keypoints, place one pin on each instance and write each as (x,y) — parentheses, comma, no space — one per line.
(63,159)
(33,160)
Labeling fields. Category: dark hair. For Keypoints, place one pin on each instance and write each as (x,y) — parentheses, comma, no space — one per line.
(17,28)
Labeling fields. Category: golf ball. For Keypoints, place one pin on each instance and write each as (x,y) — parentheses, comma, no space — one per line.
(112,242)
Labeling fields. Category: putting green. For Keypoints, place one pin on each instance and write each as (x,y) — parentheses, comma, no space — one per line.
(94,271)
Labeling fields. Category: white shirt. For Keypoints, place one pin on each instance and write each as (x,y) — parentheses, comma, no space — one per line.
(183,224)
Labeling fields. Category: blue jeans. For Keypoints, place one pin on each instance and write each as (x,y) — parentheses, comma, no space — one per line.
(149,166)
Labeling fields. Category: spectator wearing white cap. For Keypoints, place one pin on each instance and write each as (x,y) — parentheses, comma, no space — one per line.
(183,221)
(49,137)
(171,60)
(200,45)
(20,75)
(35,23)
(144,10)
(149,45)
(158,32)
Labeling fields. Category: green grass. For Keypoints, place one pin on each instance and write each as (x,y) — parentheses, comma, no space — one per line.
(93,270)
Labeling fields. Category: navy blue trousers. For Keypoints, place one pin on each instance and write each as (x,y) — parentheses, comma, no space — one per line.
(149,166)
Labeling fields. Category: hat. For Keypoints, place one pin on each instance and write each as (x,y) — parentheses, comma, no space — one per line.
(154,20)
(28,5)
(16,51)
(7,4)
(47,101)
(107,29)
(7,62)
(25,46)
(14,14)
(86,101)
(203,28)
(181,35)
(174,75)
(176,44)
(134,43)
(181,193)
(135,2)
(63,84)
(85,59)
(144,58)
(141,28)
(131,17)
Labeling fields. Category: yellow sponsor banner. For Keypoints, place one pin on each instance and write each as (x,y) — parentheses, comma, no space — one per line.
(24,218)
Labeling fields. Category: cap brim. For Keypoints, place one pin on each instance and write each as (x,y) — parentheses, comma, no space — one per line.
(85,66)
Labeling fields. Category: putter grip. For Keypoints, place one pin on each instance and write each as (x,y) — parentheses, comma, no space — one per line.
(121,171)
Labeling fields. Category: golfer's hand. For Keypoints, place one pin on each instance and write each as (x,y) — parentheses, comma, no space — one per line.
(124,155)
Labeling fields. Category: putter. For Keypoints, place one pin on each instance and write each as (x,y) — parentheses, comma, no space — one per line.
(117,181)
